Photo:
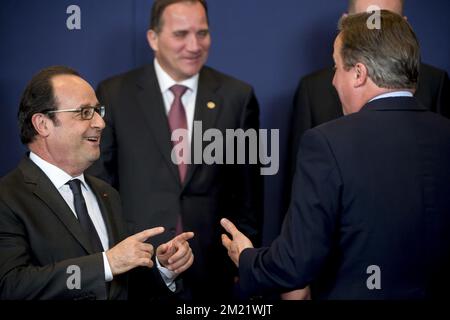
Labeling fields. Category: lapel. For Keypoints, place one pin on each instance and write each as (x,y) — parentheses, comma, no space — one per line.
(44,189)
(151,103)
(106,210)
(207,95)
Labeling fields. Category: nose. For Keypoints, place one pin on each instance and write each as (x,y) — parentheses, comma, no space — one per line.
(98,122)
(193,43)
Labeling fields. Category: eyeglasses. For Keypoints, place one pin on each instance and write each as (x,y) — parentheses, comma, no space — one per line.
(86,113)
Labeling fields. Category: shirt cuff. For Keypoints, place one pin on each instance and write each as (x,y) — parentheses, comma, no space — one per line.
(167,275)
(108,272)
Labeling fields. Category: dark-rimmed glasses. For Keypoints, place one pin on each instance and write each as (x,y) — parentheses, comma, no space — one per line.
(86,113)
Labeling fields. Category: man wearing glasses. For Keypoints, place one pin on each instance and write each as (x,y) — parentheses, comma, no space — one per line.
(61,231)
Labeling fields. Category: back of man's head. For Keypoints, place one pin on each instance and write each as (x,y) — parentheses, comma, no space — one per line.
(359,6)
(390,53)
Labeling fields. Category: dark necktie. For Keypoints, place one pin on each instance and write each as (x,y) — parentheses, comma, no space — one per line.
(177,120)
(83,216)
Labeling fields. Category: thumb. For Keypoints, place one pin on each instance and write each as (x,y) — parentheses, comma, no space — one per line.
(226,242)
(162,249)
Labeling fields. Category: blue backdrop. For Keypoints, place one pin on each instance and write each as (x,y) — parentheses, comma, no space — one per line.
(269,44)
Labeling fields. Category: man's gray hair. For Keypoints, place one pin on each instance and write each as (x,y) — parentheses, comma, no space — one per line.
(390,53)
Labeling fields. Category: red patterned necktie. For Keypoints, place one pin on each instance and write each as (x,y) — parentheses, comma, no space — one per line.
(177,120)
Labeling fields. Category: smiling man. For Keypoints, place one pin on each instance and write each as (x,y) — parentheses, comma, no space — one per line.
(62,235)
(369,216)
(144,106)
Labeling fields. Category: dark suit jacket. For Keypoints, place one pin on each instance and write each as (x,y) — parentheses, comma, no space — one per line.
(40,238)
(136,159)
(316,101)
(370,189)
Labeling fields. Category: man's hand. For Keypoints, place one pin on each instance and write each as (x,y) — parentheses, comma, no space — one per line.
(176,255)
(299,294)
(238,243)
(132,252)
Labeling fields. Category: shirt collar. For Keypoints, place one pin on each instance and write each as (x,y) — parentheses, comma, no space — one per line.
(166,82)
(392,94)
(56,175)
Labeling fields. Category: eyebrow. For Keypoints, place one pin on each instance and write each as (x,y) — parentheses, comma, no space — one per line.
(98,104)
(187,30)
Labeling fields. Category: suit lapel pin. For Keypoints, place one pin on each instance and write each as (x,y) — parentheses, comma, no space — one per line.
(211,105)
(105,195)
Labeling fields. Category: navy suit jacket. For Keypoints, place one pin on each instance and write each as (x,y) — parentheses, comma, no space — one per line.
(370,189)
(316,101)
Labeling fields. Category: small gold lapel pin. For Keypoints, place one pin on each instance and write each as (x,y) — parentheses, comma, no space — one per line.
(211,105)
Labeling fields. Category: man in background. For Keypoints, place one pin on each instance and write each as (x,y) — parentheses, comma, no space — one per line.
(144,107)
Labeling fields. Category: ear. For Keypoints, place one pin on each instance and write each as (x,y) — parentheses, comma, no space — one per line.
(152,38)
(360,74)
(41,124)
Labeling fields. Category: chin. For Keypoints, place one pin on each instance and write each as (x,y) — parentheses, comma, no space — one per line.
(190,73)
(94,157)
(192,69)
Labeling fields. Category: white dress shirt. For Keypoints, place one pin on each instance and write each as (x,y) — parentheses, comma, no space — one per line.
(188,99)
(392,94)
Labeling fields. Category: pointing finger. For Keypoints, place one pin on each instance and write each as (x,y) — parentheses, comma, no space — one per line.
(184,236)
(144,235)
(229,227)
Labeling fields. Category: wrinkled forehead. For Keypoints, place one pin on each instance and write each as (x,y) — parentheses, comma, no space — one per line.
(183,15)
(73,91)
